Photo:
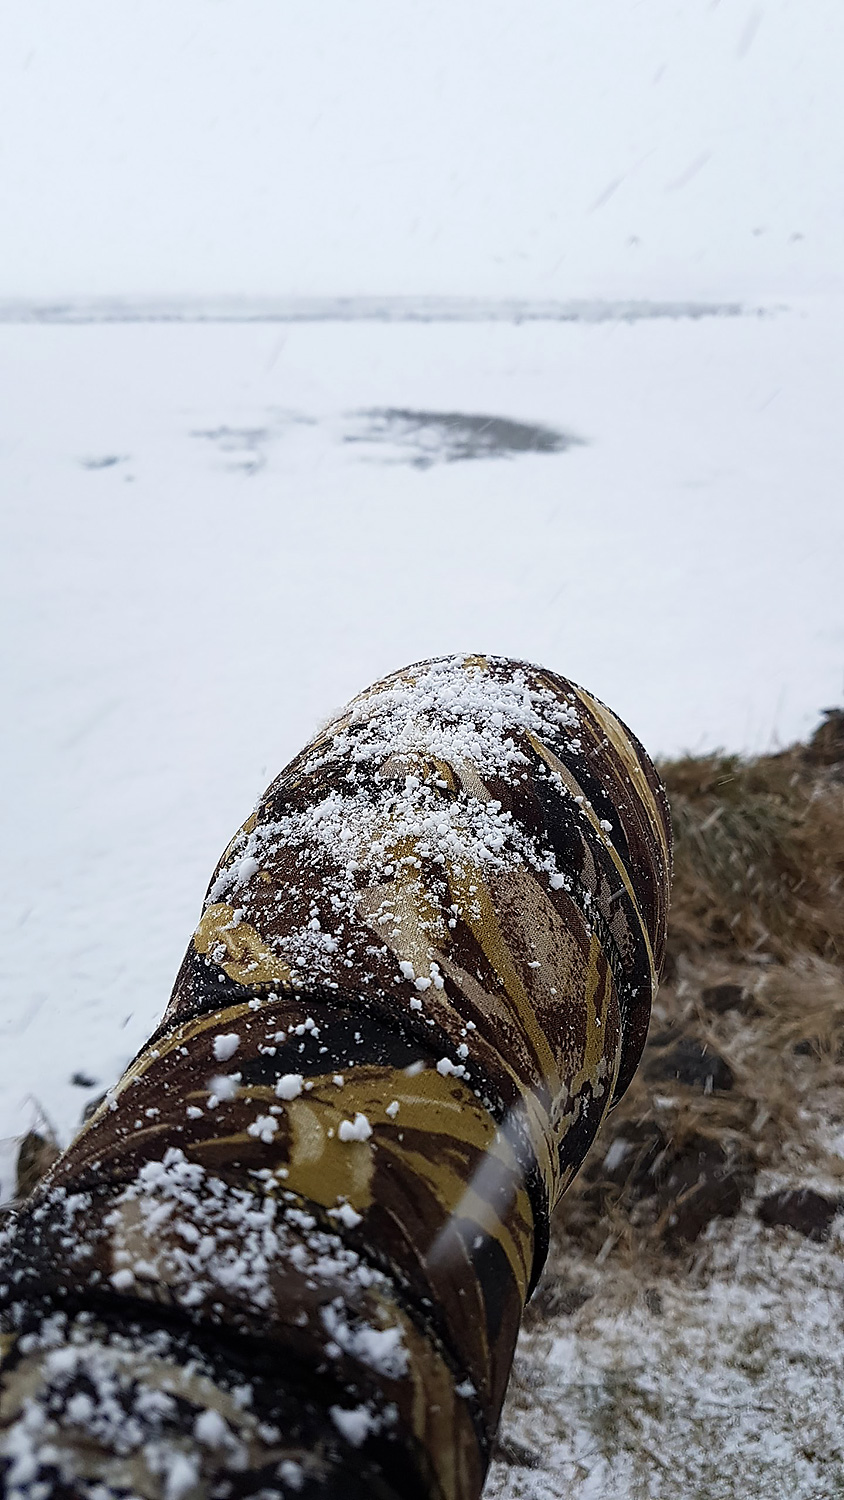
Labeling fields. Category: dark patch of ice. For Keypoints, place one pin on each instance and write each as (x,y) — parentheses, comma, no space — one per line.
(429,437)
(245,448)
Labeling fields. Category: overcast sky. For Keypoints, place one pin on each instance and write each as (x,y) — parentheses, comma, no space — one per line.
(539,148)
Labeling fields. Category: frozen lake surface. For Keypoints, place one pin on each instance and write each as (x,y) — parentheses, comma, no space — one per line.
(216,532)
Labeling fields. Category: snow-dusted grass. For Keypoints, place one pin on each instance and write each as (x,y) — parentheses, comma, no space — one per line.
(689,1385)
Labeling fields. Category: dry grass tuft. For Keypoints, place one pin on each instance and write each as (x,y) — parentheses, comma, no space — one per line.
(759,866)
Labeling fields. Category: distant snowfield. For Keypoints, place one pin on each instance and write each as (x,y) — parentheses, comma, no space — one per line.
(216,533)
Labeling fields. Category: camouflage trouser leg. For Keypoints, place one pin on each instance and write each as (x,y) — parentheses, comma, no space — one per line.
(289,1253)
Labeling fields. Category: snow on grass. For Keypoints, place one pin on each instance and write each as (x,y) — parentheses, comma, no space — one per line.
(715,1385)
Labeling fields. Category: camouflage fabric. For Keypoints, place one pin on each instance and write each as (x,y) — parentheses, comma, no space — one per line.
(291,1250)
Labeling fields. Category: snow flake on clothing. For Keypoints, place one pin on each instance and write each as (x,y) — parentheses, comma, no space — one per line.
(226,1045)
(179,1226)
(358,1129)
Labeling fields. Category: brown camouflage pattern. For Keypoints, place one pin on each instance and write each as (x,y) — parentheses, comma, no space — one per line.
(473,983)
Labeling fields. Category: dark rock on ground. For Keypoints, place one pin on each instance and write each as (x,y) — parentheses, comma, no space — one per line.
(664,1038)
(631,1157)
(448,436)
(682,1185)
(808,1212)
(699,1181)
(92,1106)
(689,1061)
(721,998)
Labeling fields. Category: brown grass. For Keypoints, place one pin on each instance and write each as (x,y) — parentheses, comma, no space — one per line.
(758,905)
(759,868)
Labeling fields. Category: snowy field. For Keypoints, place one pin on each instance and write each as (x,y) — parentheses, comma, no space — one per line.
(216,533)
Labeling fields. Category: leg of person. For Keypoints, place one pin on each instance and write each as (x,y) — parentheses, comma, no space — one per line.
(289,1253)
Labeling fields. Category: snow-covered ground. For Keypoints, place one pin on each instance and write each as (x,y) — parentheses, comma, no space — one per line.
(719,1387)
(210,543)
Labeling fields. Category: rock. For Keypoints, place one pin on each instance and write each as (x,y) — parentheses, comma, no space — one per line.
(664,1038)
(699,1181)
(803,1209)
(681,1185)
(83,1081)
(721,998)
(691,1062)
